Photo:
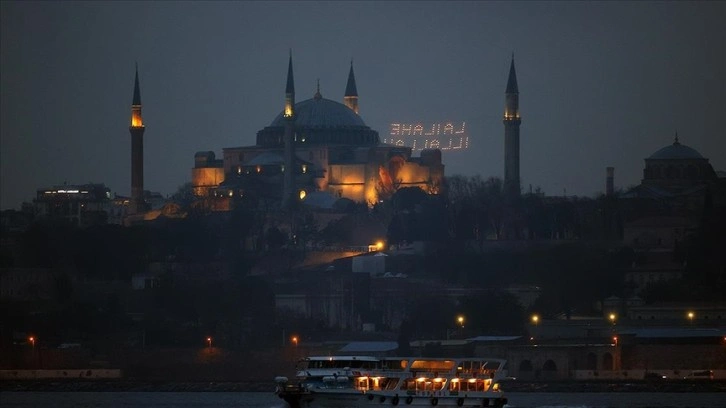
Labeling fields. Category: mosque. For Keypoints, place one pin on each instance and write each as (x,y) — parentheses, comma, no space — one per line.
(317,152)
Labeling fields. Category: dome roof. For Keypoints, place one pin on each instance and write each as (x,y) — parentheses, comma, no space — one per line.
(320,112)
(676,151)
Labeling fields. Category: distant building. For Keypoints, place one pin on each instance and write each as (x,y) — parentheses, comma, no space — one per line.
(677,180)
(314,146)
(678,190)
(81,205)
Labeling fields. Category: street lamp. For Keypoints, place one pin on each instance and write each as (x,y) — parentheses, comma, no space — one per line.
(535,319)
(32,341)
(615,339)
(209,342)
(294,340)
(691,316)
(612,318)
(460,320)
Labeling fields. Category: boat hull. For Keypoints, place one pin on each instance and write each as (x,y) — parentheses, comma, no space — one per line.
(326,399)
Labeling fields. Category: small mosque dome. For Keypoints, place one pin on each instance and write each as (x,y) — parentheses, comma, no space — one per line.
(676,151)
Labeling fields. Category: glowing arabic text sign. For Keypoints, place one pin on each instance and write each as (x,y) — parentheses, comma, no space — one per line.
(420,136)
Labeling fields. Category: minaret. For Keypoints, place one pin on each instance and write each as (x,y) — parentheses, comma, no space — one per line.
(351,93)
(137,205)
(288,181)
(511,135)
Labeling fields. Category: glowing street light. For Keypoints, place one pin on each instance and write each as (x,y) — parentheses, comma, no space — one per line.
(460,320)
(691,316)
(612,318)
(535,319)
(209,342)
(615,339)
(294,340)
(31,339)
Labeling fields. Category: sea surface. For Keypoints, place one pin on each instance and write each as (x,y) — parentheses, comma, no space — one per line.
(268,400)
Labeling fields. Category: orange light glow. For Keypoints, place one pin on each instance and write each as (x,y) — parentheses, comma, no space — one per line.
(136,120)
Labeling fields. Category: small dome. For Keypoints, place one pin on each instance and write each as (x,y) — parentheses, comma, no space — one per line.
(321,112)
(676,151)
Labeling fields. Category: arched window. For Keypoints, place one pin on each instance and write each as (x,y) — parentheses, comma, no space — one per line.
(549,365)
(607,361)
(591,361)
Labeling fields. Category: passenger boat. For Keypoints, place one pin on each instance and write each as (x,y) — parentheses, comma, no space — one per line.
(349,382)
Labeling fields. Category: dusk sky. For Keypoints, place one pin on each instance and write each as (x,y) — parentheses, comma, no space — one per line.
(601,84)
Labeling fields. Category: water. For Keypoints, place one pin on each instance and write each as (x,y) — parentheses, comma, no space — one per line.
(268,400)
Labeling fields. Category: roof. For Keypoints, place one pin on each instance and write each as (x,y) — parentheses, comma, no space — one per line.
(512,81)
(676,151)
(266,159)
(320,199)
(290,85)
(137,93)
(370,346)
(321,113)
(674,332)
(350,89)
(495,338)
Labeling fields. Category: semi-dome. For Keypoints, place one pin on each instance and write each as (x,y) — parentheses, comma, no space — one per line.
(319,112)
(676,151)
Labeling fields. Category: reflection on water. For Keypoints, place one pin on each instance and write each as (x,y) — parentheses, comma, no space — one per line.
(269,400)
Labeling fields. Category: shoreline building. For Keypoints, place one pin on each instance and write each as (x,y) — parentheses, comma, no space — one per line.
(317,150)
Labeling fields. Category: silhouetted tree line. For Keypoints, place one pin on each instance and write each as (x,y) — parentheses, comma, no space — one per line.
(584,267)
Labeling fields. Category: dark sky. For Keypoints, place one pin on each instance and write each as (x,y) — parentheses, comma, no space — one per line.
(601,84)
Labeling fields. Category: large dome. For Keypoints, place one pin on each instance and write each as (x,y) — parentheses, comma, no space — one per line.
(676,151)
(321,113)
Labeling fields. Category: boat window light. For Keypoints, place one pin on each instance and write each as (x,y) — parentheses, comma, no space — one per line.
(438,379)
(420,379)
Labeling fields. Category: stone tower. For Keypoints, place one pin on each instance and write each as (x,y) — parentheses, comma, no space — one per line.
(512,120)
(351,93)
(137,204)
(288,181)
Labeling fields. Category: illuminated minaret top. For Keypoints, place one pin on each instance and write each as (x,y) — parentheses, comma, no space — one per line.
(512,120)
(137,204)
(136,120)
(288,177)
(290,91)
(351,93)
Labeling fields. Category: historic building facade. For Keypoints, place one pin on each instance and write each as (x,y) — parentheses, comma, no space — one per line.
(312,148)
